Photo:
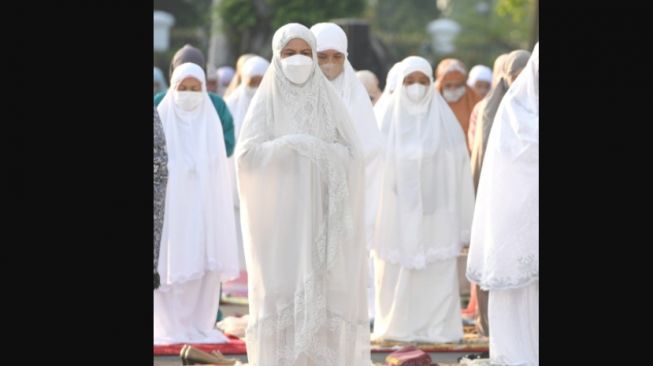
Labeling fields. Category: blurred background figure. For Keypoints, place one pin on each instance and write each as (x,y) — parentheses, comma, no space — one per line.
(511,67)
(371,83)
(451,78)
(496,73)
(480,79)
(237,78)
(225,75)
(160,85)
(238,103)
(211,79)
(392,80)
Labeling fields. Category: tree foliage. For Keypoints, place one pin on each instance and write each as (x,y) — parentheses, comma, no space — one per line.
(250,24)
(505,26)
(192,25)
(401,25)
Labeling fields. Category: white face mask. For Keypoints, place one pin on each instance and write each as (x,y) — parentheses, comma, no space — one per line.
(415,91)
(297,68)
(331,71)
(188,100)
(249,91)
(453,95)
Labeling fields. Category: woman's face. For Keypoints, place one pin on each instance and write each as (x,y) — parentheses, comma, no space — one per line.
(453,80)
(416,77)
(212,85)
(331,62)
(481,87)
(190,84)
(297,46)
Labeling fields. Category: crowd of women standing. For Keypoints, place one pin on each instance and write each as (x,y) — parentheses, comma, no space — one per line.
(341,203)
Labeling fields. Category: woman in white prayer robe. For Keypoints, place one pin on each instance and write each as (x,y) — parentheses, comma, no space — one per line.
(198,243)
(504,249)
(332,58)
(392,80)
(424,215)
(301,180)
(252,73)
(238,102)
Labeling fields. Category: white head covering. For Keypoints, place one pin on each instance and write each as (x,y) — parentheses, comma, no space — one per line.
(225,74)
(331,36)
(428,198)
(238,103)
(198,231)
(239,100)
(455,65)
(391,82)
(280,95)
(392,79)
(211,72)
(504,250)
(479,73)
(255,66)
(300,178)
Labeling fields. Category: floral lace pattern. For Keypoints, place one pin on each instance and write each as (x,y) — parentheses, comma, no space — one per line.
(160,180)
(435,254)
(296,327)
(308,312)
(527,273)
